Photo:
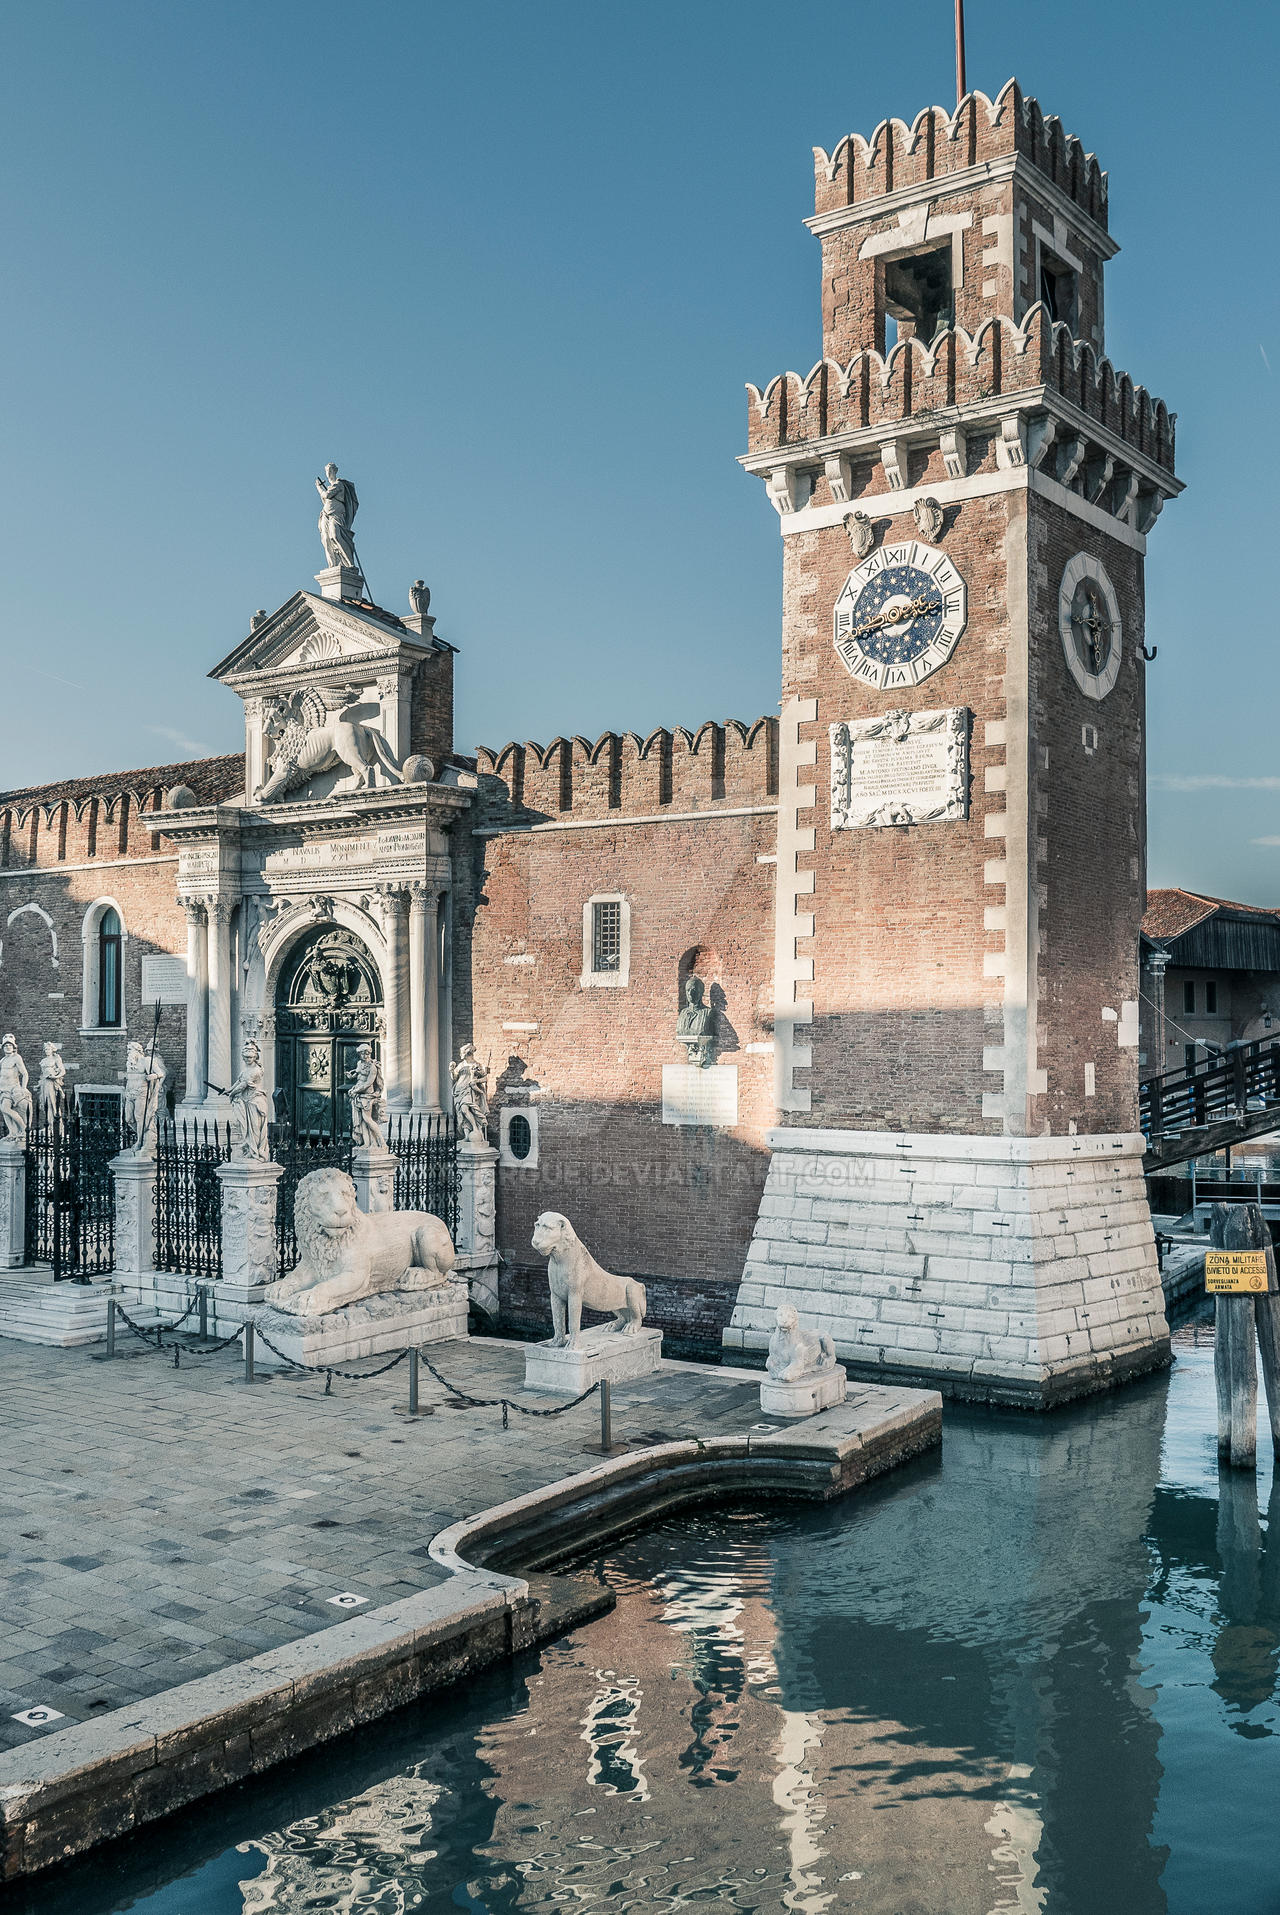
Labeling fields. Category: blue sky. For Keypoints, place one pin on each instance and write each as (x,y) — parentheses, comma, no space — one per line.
(511,266)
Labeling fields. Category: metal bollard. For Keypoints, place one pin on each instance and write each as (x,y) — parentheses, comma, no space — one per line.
(111,1326)
(606,1417)
(204,1312)
(413,1382)
(248,1353)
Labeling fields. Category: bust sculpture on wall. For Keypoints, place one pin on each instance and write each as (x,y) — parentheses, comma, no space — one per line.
(696,1024)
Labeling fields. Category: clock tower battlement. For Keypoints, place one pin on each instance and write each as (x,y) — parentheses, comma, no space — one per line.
(962,833)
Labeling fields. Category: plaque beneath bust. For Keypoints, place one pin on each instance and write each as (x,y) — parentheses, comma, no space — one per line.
(164,979)
(692,1094)
(902,768)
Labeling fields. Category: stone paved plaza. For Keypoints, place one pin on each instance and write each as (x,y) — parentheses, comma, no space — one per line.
(157,1524)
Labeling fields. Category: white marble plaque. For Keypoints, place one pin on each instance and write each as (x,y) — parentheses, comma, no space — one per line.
(691,1095)
(164,980)
(902,768)
(363,851)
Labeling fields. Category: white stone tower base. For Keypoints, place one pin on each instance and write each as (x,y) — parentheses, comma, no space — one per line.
(1015,1270)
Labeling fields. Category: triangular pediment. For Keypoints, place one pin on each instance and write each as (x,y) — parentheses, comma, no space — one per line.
(311,635)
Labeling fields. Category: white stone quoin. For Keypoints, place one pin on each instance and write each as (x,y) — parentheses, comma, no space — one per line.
(1016,1269)
(601,1353)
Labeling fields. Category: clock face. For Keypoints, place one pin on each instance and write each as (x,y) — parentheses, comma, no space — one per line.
(899,615)
(1089,625)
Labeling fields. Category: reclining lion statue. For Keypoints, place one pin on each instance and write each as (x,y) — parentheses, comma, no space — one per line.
(576,1279)
(347,1255)
(795,1353)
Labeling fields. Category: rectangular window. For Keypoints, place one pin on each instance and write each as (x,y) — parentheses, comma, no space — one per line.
(606,935)
(109,979)
(1189,997)
(1211,996)
(1058,289)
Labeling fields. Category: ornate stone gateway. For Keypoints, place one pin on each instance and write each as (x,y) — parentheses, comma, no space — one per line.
(329,1002)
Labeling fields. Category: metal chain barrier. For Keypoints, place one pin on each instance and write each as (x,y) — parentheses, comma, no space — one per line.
(460,1396)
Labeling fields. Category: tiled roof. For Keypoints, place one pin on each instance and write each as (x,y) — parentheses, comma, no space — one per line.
(211,779)
(1172,912)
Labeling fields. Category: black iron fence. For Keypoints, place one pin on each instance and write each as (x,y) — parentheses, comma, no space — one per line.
(188,1214)
(426,1152)
(70,1197)
(300,1151)
(1246,1079)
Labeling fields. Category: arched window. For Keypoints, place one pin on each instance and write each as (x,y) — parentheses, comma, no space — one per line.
(109,997)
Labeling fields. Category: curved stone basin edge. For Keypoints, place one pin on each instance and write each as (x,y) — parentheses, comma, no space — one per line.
(75,1788)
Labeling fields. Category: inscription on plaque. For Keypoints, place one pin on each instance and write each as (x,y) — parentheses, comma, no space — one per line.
(367,851)
(198,861)
(164,980)
(692,1095)
(902,768)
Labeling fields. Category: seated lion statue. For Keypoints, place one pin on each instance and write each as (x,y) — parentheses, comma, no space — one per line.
(795,1353)
(576,1279)
(346,1254)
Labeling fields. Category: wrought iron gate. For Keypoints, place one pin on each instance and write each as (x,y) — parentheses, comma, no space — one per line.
(189,1196)
(70,1202)
(426,1149)
(300,1151)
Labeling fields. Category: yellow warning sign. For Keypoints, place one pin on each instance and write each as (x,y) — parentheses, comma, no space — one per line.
(1233,1272)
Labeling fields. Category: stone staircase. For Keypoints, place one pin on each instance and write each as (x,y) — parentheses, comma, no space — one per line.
(35,1309)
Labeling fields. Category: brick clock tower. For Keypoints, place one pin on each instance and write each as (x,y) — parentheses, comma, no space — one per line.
(965,485)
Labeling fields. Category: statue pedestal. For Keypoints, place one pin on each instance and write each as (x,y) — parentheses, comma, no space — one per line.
(340,581)
(477,1223)
(379,1326)
(135,1204)
(249,1258)
(13,1196)
(820,1390)
(601,1353)
(373,1172)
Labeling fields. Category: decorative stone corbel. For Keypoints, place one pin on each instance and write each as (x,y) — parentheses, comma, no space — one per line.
(839,470)
(1096,490)
(954,451)
(1074,454)
(1147,509)
(1127,490)
(1011,446)
(1042,436)
(781,485)
(893,457)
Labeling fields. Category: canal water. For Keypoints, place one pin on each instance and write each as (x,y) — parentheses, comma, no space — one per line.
(1035,1672)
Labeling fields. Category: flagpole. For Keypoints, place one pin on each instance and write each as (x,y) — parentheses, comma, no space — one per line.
(961,87)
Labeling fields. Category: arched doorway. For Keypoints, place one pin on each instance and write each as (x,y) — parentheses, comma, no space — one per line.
(328,1001)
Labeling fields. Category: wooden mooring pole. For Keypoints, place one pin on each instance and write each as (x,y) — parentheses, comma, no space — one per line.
(1240,1318)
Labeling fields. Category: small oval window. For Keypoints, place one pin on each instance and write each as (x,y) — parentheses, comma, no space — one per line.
(519,1138)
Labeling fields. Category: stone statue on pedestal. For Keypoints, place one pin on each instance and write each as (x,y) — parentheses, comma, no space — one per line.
(251,1109)
(53,1077)
(696,1024)
(15,1093)
(144,1075)
(795,1353)
(470,1096)
(338,508)
(365,1087)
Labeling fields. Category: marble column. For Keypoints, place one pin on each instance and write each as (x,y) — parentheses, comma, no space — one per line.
(197,1003)
(220,1070)
(395,1059)
(424,997)
(135,1201)
(1157,963)
(13,1191)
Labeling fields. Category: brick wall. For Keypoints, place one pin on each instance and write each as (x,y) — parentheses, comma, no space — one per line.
(650,1199)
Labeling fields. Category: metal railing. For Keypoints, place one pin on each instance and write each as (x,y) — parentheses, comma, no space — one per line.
(426,1152)
(70,1196)
(188,1207)
(300,1151)
(1246,1079)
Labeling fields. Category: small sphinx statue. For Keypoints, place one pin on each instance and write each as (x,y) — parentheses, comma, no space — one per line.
(696,1024)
